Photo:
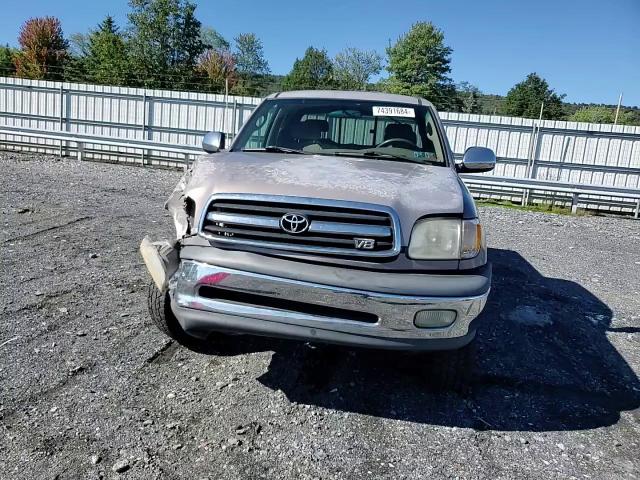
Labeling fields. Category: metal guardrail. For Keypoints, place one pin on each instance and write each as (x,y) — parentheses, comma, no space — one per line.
(525,185)
(82,140)
(575,190)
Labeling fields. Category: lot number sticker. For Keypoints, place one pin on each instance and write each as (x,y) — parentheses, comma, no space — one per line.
(393,112)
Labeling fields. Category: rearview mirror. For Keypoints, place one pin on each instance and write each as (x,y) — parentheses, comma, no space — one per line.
(213,142)
(476,160)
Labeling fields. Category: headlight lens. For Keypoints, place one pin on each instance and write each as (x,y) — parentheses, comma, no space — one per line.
(446,239)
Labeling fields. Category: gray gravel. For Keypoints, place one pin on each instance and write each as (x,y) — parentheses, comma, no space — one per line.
(90,389)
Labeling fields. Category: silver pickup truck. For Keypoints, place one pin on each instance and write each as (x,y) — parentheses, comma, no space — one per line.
(334,217)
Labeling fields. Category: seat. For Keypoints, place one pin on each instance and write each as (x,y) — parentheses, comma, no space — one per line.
(308,132)
(406,132)
(400,130)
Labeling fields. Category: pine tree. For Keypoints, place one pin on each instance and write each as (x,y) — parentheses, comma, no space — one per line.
(106,61)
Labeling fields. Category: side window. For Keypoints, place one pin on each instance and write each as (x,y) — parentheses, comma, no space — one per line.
(261,126)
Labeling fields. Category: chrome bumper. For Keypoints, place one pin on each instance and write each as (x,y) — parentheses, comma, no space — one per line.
(395,313)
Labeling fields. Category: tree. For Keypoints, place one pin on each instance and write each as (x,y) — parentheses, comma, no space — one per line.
(219,67)
(43,49)
(601,114)
(165,42)
(418,65)
(353,68)
(106,59)
(213,40)
(593,115)
(251,65)
(314,70)
(526,97)
(249,55)
(79,45)
(7,68)
(469,96)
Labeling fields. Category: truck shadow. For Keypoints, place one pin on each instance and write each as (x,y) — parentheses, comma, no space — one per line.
(544,363)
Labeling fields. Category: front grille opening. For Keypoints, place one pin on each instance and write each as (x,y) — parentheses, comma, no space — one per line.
(320,212)
(256,223)
(256,300)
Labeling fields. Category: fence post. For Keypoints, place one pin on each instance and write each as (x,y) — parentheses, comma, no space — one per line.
(234,126)
(61,99)
(637,213)
(574,203)
(535,153)
(80,150)
(144,124)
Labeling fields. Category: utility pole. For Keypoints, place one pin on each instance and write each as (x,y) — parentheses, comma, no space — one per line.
(615,121)
(226,104)
(541,109)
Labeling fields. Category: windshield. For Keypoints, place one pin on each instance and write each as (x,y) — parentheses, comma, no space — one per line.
(372,129)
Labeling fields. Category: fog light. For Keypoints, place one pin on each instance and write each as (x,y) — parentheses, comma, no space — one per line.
(434,318)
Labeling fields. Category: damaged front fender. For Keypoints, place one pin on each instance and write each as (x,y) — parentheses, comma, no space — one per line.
(176,204)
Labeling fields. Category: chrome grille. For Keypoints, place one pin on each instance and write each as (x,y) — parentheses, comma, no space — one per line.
(325,226)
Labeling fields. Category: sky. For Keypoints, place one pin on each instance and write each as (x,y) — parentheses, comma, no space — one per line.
(586,49)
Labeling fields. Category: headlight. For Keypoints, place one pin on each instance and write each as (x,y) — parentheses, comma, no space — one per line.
(446,239)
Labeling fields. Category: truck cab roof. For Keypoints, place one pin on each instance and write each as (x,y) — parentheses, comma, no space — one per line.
(352,95)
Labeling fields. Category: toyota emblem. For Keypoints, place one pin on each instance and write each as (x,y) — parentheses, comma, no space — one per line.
(294,223)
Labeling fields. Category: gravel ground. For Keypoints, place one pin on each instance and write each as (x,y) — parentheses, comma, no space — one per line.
(90,389)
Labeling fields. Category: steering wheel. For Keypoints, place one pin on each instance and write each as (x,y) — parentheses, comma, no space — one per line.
(389,141)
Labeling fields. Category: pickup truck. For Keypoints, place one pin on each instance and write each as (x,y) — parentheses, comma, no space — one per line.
(334,217)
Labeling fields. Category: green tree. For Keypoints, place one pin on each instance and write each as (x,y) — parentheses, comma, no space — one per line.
(314,70)
(593,115)
(106,61)
(43,49)
(469,96)
(252,68)
(7,68)
(602,114)
(418,64)
(165,42)
(353,68)
(249,55)
(213,40)
(526,97)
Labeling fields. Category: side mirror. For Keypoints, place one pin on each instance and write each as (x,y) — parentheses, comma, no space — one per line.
(476,160)
(213,142)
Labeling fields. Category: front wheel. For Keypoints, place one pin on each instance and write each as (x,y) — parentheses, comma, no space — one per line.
(159,305)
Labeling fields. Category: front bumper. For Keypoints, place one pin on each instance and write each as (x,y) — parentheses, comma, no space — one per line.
(206,298)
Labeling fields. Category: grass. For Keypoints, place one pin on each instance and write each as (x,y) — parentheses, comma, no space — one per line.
(536,207)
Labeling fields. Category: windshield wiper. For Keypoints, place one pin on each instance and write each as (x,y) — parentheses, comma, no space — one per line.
(275,149)
(374,154)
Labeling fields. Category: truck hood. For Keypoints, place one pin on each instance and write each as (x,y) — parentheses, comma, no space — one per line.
(412,190)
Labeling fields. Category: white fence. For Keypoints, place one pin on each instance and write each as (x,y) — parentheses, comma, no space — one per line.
(578,153)
(179,118)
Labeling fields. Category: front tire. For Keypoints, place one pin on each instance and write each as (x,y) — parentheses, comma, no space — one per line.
(159,305)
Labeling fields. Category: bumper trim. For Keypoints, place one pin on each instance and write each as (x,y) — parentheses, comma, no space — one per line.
(395,313)
(452,283)
(201,324)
